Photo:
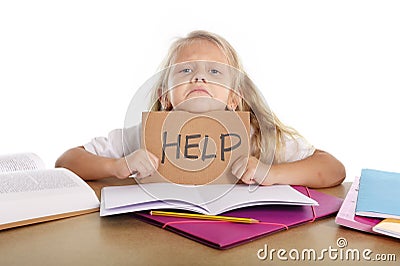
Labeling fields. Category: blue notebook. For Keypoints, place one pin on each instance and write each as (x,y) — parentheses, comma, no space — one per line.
(378,194)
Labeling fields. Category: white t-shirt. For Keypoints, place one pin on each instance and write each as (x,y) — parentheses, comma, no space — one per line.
(121,142)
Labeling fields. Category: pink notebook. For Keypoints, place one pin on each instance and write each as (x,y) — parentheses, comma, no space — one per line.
(274,218)
(347,213)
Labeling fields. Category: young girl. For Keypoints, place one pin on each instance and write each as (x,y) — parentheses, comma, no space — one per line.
(295,162)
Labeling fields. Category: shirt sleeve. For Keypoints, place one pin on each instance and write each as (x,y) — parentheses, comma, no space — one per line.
(118,143)
(297,149)
(110,146)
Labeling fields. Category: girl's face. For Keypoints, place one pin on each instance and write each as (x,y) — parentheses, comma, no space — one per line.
(198,88)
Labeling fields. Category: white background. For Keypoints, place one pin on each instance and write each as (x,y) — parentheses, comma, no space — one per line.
(330,69)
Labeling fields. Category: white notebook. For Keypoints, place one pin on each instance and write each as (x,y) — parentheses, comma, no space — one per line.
(209,199)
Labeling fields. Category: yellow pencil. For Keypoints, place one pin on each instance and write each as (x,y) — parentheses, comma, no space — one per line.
(205,217)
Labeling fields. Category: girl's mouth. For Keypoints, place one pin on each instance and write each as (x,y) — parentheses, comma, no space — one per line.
(199,91)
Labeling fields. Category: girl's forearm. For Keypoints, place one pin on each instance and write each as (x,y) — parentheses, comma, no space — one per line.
(89,166)
(319,170)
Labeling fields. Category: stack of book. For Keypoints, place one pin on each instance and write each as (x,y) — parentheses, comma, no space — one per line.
(372,203)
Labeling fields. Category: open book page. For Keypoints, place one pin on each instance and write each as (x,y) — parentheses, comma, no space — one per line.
(210,199)
(121,199)
(240,196)
(20,162)
(32,194)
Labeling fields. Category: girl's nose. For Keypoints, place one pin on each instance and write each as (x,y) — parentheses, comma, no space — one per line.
(200,80)
(199,77)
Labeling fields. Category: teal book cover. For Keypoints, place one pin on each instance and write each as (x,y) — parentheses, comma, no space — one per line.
(378,194)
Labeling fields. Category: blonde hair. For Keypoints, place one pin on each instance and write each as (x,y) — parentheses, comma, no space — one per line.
(267,143)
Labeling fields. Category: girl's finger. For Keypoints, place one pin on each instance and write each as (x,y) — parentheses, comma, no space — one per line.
(153,159)
(143,169)
(248,177)
(238,167)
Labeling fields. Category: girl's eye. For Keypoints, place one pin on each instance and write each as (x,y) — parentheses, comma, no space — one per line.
(186,70)
(215,71)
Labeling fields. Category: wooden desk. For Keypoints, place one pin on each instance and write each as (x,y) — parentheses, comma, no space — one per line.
(123,240)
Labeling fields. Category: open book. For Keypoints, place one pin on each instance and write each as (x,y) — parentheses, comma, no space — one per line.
(29,193)
(207,199)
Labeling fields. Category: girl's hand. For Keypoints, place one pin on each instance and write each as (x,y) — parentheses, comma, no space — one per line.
(141,161)
(251,170)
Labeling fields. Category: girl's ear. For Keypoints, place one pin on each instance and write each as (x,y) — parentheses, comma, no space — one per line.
(233,101)
(159,94)
(163,99)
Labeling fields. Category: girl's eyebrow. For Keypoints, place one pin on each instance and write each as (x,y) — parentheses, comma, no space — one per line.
(184,64)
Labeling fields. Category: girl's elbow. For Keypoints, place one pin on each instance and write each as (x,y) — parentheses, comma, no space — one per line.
(334,171)
(340,175)
(335,177)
